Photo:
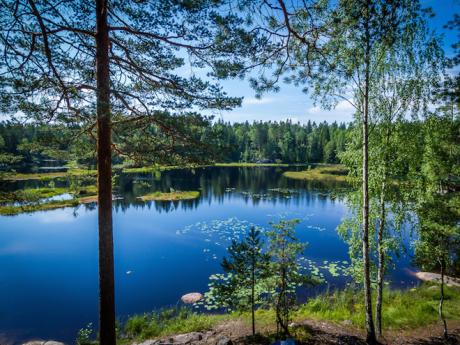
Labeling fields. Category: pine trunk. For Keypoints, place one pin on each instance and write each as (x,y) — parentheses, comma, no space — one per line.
(104,180)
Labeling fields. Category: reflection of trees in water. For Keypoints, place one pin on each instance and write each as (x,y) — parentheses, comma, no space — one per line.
(59,182)
(165,206)
(253,185)
(216,184)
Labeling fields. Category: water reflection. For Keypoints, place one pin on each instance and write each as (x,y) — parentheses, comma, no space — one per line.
(48,260)
(219,185)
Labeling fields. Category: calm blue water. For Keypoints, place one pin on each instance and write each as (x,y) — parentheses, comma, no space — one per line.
(48,260)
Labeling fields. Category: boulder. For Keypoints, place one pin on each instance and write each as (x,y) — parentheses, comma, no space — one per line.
(224,341)
(149,342)
(187,338)
(347,322)
(436,277)
(294,325)
(191,298)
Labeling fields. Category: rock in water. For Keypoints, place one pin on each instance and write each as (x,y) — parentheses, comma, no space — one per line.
(191,298)
(436,277)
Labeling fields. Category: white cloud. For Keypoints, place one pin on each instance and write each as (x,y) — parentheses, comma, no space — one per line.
(344,106)
(343,112)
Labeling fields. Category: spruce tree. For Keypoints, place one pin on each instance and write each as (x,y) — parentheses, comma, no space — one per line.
(285,250)
(247,265)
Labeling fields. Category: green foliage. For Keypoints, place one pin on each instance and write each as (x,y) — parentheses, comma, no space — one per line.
(287,142)
(245,281)
(272,142)
(168,322)
(402,309)
(171,196)
(32,194)
(438,199)
(328,173)
(285,250)
(246,267)
(39,199)
(84,335)
(11,210)
(266,280)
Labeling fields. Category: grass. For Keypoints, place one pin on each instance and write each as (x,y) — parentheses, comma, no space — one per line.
(73,170)
(31,194)
(10,176)
(172,167)
(156,168)
(171,196)
(169,322)
(243,164)
(402,309)
(31,200)
(51,205)
(326,173)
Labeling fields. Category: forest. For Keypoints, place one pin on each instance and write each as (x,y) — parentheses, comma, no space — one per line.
(283,142)
(134,210)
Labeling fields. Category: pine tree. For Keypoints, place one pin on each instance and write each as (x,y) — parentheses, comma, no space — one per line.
(247,265)
(285,249)
(106,64)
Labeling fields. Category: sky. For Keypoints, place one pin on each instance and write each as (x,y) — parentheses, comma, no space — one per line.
(291,103)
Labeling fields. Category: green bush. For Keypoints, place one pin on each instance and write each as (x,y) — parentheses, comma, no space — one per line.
(136,325)
(167,322)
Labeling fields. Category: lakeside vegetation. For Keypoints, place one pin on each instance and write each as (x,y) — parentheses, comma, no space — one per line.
(34,199)
(40,199)
(80,172)
(170,196)
(320,173)
(259,143)
(405,310)
(44,176)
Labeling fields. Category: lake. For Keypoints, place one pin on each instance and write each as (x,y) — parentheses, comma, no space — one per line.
(48,260)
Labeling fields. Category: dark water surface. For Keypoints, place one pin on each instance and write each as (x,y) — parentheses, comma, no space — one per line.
(48,260)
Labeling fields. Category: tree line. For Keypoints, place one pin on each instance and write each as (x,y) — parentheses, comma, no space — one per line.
(283,142)
(274,142)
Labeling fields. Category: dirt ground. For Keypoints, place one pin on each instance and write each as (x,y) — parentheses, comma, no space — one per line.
(324,333)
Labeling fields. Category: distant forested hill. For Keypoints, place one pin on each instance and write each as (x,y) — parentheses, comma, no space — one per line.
(282,142)
(285,142)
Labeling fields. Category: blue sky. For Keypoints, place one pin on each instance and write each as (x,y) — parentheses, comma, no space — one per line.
(291,103)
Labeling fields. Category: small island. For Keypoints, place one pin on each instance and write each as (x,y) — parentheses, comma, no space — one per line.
(335,172)
(171,196)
